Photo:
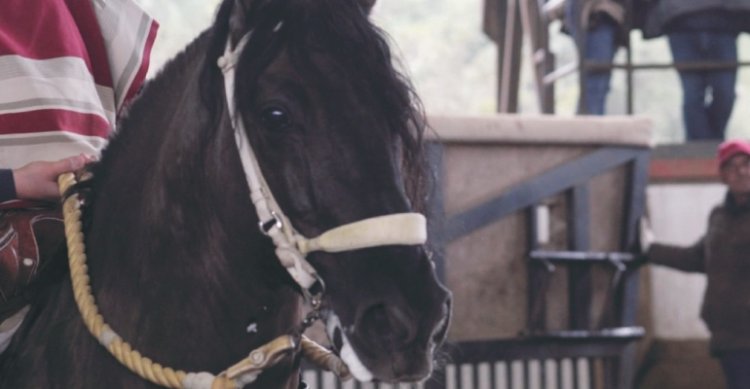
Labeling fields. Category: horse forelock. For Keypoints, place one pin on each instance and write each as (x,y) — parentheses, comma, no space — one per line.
(341,30)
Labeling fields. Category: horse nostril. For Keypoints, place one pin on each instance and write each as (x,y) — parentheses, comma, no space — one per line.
(389,323)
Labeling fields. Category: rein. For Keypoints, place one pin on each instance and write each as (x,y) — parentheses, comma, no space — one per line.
(236,376)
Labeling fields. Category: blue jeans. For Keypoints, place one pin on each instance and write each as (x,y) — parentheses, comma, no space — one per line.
(708,95)
(600,47)
(736,366)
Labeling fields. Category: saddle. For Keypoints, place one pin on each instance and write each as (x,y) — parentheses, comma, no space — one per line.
(29,240)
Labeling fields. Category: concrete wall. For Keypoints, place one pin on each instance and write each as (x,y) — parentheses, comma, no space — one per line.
(485,157)
(487,270)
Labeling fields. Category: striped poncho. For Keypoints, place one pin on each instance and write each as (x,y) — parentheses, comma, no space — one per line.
(67,68)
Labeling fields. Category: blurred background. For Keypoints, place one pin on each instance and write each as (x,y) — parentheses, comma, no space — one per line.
(440,45)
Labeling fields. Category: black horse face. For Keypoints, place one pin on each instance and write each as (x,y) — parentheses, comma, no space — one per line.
(328,111)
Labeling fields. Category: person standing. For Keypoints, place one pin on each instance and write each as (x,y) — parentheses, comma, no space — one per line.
(599,28)
(701,32)
(723,254)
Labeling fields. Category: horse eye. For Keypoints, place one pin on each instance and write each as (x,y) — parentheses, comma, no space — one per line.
(275,118)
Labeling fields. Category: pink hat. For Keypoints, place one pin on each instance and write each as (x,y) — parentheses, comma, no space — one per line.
(731,148)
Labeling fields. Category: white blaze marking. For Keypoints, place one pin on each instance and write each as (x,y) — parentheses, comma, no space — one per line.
(348,355)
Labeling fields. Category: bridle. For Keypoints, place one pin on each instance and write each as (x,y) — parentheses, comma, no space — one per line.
(291,246)
(291,249)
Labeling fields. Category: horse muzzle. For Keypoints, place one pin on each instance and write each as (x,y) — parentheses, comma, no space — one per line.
(389,342)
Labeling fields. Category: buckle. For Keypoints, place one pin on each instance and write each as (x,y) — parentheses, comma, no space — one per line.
(314,294)
(267,225)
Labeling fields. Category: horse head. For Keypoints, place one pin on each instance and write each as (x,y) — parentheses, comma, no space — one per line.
(336,131)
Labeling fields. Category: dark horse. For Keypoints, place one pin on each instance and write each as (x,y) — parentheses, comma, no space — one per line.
(177,263)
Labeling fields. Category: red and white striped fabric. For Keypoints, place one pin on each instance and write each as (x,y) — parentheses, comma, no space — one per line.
(67,67)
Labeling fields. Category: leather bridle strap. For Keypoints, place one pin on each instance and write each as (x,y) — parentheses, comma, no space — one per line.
(291,246)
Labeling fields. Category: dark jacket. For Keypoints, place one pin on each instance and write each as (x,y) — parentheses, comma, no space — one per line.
(584,15)
(495,12)
(655,16)
(7,186)
(723,254)
(581,15)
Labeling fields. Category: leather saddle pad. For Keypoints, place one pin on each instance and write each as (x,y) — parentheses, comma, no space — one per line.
(28,240)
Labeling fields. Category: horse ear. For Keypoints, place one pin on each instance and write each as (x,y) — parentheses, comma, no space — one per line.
(367,5)
(237,20)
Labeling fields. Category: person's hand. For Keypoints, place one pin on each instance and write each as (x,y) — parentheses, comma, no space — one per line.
(38,180)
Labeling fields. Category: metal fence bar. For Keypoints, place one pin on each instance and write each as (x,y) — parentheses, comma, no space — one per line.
(526,373)
(537,188)
(495,375)
(598,66)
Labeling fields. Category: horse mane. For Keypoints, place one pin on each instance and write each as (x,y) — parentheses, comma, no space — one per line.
(169,74)
(172,69)
(349,36)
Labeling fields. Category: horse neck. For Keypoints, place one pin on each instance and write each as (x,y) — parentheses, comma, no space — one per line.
(173,236)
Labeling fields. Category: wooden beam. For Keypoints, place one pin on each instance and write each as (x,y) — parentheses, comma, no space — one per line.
(684,170)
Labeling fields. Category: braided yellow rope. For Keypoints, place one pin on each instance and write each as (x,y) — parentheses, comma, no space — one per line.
(325,359)
(121,350)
